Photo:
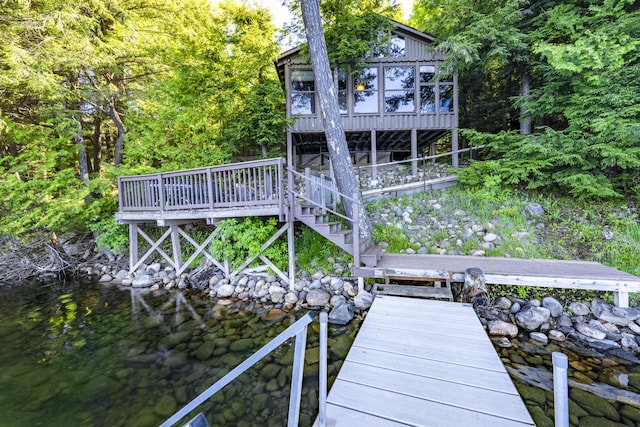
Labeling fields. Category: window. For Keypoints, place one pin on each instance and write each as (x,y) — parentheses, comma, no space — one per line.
(341,77)
(303,92)
(434,93)
(446,98)
(399,89)
(427,89)
(365,91)
(397,46)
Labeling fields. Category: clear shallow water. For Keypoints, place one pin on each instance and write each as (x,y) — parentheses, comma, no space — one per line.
(95,355)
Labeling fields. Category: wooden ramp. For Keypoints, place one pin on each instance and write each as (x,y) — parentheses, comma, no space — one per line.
(423,363)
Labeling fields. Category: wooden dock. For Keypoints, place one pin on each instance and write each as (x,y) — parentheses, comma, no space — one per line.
(508,271)
(423,363)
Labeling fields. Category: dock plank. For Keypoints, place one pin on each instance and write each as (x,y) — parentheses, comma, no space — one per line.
(423,363)
(438,369)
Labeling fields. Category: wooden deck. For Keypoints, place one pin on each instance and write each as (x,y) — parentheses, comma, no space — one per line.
(423,363)
(508,271)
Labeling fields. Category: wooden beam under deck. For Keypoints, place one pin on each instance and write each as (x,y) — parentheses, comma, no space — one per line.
(209,216)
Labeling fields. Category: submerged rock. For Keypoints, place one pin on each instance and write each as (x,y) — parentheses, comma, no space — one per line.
(341,314)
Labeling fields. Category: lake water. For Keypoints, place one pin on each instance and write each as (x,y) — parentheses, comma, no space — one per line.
(100,355)
(94,355)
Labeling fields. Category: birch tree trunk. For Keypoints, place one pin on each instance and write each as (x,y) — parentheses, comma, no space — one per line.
(329,108)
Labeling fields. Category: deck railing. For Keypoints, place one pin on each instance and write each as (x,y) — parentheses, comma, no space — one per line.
(235,185)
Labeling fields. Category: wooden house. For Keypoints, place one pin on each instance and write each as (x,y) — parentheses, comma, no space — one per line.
(393,108)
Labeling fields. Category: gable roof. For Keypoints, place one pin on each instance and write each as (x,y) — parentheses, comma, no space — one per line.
(398,28)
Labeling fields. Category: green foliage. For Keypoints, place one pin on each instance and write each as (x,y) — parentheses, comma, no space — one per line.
(143,85)
(397,239)
(313,251)
(237,241)
(581,62)
(111,235)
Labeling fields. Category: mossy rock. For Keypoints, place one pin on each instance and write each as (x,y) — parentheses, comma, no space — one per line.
(165,406)
(630,412)
(598,422)
(540,418)
(532,394)
(594,405)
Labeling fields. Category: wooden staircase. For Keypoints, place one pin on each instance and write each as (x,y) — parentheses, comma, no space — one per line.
(318,219)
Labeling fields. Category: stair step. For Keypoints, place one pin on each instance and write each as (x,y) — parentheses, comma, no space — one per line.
(427,292)
(346,234)
(371,255)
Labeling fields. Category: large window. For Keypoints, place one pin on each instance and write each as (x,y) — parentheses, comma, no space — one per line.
(435,96)
(446,97)
(303,92)
(399,89)
(365,91)
(427,89)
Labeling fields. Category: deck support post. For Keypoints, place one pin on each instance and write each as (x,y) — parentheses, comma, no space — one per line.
(454,148)
(621,299)
(133,245)
(175,246)
(360,283)
(374,155)
(414,152)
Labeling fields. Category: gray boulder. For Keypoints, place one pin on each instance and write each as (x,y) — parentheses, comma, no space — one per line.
(341,314)
(530,317)
(143,281)
(500,328)
(363,300)
(539,337)
(554,306)
(579,309)
(226,290)
(318,297)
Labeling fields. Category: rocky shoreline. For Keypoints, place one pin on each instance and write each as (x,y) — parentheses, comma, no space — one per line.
(525,332)
(597,324)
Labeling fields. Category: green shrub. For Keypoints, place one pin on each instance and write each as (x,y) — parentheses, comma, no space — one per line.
(237,241)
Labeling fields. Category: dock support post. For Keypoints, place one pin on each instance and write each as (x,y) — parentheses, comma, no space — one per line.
(621,299)
(560,389)
(291,219)
(133,246)
(322,381)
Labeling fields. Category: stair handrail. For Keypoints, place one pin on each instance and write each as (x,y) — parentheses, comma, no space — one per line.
(297,330)
(355,203)
(301,195)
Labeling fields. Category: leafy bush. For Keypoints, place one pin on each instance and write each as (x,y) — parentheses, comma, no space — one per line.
(237,241)
(313,251)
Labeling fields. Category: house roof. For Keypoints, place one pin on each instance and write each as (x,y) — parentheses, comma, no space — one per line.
(398,28)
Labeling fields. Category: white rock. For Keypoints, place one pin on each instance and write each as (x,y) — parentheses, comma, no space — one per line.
(226,290)
(490,237)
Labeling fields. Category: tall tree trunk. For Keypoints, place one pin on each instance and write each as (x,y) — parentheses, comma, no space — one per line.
(525,90)
(97,131)
(122,132)
(330,110)
(83,161)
